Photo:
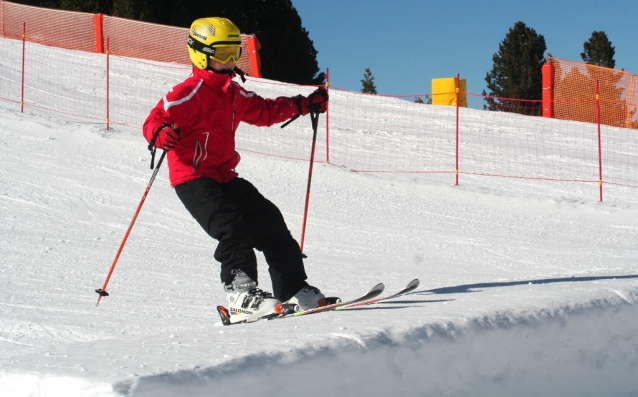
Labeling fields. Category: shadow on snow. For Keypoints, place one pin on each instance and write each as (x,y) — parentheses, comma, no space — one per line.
(467,288)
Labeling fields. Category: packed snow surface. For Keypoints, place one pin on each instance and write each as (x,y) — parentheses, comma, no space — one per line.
(528,288)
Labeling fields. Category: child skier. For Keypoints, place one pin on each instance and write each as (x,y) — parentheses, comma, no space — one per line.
(196,123)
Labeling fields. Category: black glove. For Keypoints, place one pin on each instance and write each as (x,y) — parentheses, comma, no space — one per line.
(168,137)
(315,102)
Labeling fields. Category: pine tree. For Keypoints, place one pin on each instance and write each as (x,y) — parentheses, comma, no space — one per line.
(599,51)
(93,6)
(517,70)
(36,3)
(133,9)
(420,100)
(368,83)
(287,53)
(166,12)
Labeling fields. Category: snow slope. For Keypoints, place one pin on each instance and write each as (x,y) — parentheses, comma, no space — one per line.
(528,288)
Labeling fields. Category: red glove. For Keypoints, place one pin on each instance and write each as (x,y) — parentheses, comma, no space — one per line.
(315,102)
(168,137)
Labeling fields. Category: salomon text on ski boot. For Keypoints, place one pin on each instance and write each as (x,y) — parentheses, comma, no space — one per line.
(248,303)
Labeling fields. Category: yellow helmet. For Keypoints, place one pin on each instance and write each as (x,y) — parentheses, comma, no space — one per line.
(217,38)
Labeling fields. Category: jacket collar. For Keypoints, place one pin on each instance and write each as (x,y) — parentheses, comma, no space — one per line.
(218,80)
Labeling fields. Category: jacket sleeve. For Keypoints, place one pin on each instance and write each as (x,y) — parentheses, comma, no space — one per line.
(266,112)
(156,118)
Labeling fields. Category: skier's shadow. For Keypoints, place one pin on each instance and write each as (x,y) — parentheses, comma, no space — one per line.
(470,288)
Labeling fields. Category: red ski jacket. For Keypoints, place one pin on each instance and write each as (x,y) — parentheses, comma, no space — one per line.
(208,108)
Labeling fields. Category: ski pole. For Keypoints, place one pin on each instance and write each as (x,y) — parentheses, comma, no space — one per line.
(102,291)
(314,118)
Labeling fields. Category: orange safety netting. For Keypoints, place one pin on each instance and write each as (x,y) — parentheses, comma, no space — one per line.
(57,28)
(161,43)
(575,94)
(100,33)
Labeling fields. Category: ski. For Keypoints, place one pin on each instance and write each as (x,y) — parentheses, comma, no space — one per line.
(375,291)
(289,310)
(411,286)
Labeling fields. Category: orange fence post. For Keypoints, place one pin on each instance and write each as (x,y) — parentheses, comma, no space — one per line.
(108,84)
(98,23)
(458,87)
(600,155)
(548,90)
(630,100)
(24,45)
(253,56)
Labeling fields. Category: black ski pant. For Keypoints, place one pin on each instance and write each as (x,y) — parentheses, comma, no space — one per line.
(241,219)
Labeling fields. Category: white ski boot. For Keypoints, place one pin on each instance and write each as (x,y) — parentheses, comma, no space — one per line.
(307,298)
(248,303)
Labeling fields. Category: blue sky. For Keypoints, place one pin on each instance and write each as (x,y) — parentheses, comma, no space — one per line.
(407,43)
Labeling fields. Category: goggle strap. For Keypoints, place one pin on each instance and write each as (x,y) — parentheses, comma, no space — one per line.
(208,50)
(228,43)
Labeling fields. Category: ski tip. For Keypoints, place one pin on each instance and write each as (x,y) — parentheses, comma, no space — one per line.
(379,287)
(412,285)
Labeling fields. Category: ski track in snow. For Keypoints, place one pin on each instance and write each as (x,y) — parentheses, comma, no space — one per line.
(528,288)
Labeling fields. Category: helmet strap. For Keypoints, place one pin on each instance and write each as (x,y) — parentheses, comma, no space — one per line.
(231,73)
(241,74)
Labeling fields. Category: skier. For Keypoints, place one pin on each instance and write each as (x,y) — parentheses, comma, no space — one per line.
(196,123)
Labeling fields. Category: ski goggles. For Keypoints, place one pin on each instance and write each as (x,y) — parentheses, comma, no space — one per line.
(223,54)
(222,51)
